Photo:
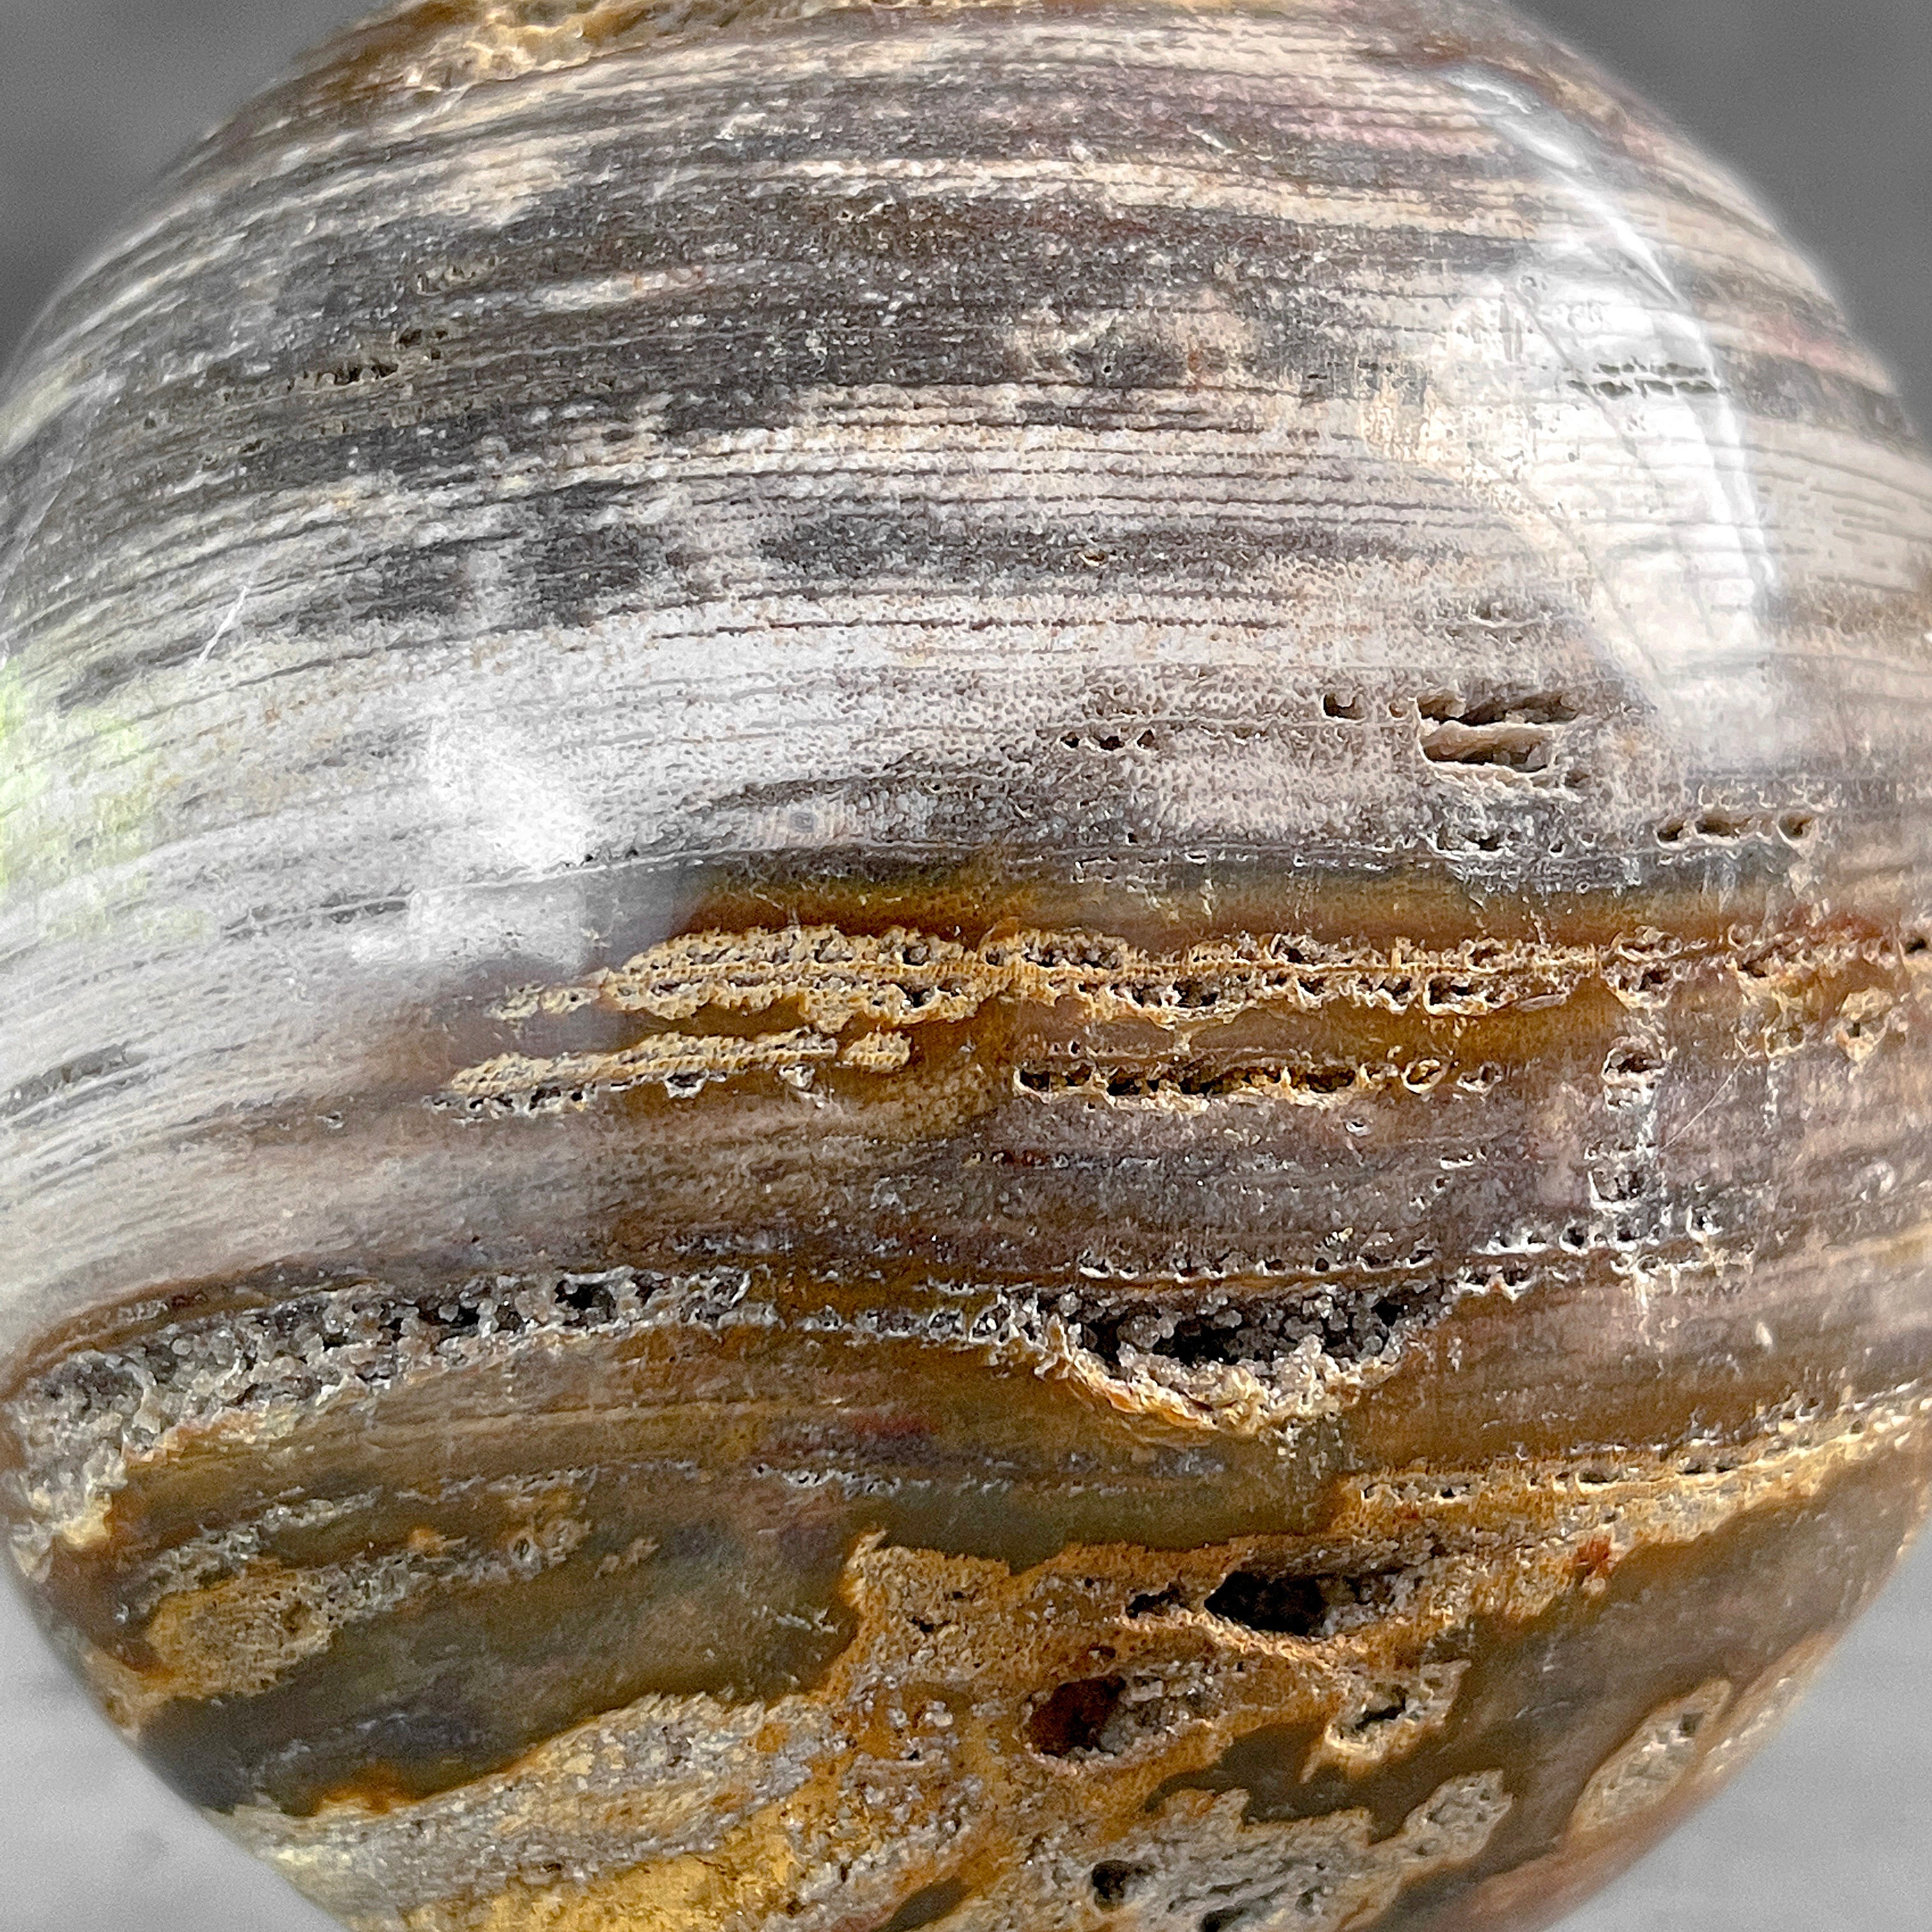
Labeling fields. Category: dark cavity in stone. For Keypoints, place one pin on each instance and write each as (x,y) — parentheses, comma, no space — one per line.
(1074,1716)
(1283,1606)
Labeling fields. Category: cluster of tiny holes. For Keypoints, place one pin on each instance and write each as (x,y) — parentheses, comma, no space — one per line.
(1199,1083)
(1350,1325)
(1512,731)
(1714,826)
(405,352)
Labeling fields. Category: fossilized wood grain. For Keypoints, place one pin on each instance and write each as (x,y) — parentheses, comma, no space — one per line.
(438,535)
(989,918)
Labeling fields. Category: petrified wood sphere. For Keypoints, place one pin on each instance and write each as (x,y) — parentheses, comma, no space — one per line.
(966,966)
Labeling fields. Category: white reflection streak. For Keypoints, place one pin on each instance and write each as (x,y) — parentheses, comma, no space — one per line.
(522,815)
(1707,530)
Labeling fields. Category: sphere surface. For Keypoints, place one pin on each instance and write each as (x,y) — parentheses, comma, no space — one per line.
(968,967)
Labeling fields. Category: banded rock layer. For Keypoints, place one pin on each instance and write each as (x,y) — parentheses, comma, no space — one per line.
(969,968)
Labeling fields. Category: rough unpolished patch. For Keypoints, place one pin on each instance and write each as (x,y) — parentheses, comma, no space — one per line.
(1196,1863)
(1243,1359)
(1007,1741)
(702,986)
(1387,1717)
(1243,1356)
(238,1635)
(904,977)
(1643,1771)
(682,1063)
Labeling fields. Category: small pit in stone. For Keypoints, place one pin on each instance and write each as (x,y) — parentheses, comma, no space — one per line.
(1071,1719)
(1532,707)
(1723,825)
(1512,747)
(1390,1704)
(1497,730)
(1285,1603)
(1350,1324)
(1114,1880)
(1280,1606)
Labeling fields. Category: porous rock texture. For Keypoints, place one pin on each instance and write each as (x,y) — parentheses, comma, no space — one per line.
(966,966)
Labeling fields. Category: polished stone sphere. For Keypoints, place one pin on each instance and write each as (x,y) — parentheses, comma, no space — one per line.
(966,966)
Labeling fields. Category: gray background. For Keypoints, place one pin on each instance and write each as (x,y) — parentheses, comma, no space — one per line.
(1828,105)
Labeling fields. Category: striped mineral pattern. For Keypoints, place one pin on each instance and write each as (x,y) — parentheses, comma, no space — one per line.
(966,966)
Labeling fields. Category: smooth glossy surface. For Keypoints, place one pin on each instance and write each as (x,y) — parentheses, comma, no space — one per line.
(977,965)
